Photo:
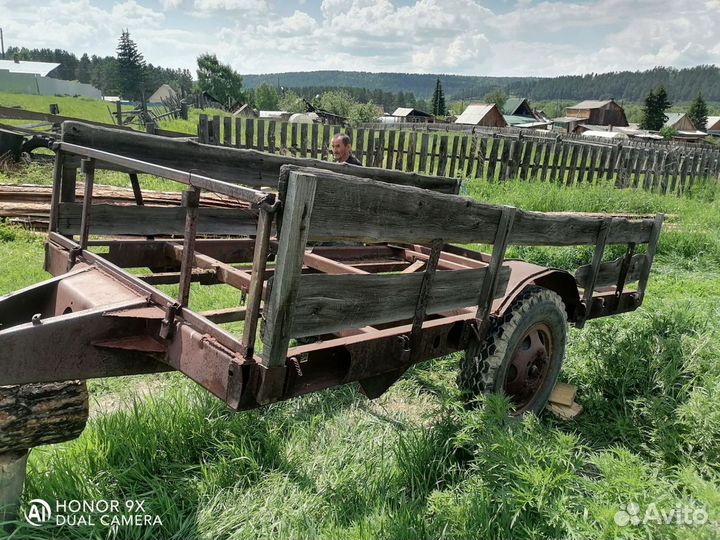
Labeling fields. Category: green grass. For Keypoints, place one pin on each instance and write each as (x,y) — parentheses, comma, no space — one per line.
(416,463)
(76,107)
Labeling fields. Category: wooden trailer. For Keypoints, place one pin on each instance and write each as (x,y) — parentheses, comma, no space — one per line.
(350,275)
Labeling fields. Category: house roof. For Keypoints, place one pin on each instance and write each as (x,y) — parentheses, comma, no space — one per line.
(511,105)
(473,114)
(163,92)
(673,118)
(33,68)
(513,119)
(409,111)
(591,104)
(713,122)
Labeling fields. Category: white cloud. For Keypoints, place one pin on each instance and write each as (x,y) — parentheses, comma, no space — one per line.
(548,37)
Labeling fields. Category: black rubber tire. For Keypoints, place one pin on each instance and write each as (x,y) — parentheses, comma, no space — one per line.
(485,365)
(34,143)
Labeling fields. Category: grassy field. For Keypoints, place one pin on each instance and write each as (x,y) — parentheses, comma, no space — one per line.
(416,463)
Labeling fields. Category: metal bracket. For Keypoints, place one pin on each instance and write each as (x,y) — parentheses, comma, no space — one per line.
(72,257)
(167,327)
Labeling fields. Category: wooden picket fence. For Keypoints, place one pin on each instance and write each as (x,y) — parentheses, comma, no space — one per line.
(662,169)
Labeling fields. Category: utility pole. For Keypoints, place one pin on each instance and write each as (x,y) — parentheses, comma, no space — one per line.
(2,44)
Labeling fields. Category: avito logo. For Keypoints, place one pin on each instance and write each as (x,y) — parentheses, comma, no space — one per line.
(38,513)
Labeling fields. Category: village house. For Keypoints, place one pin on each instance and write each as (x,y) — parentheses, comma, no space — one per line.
(407,114)
(482,114)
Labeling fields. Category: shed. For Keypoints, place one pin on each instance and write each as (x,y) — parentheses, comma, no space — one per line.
(516,106)
(599,113)
(407,114)
(482,114)
(679,121)
(713,125)
(246,111)
(164,92)
(30,68)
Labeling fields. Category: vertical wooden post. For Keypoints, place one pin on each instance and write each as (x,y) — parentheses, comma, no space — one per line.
(487,291)
(602,235)
(191,201)
(216,129)
(203,130)
(150,128)
(88,168)
(238,131)
(261,135)
(118,112)
(227,130)
(297,212)
(57,184)
(69,179)
(252,308)
(12,477)
(650,255)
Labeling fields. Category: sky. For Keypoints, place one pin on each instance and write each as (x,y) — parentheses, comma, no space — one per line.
(466,37)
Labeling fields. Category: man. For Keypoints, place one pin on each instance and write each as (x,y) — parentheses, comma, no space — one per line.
(343,151)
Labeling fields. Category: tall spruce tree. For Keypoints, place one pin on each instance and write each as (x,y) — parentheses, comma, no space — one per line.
(438,100)
(698,113)
(130,68)
(656,103)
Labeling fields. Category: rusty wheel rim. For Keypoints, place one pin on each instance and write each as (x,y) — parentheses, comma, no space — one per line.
(529,366)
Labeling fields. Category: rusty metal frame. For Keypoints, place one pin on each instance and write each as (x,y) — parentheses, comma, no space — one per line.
(150,331)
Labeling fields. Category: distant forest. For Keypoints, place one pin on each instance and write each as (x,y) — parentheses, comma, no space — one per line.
(407,89)
(681,84)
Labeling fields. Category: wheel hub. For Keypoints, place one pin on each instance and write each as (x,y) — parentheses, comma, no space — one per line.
(529,366)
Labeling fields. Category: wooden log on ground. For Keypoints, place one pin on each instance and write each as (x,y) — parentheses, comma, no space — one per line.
(44,413)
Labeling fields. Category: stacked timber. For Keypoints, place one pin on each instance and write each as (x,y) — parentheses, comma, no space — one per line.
(29,204)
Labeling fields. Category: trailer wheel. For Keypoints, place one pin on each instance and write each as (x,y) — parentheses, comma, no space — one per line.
(36,142)
(522,353)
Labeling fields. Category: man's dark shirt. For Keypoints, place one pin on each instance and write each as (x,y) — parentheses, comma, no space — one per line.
(352,160)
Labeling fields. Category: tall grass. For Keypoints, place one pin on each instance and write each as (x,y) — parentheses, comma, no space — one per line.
(417,463)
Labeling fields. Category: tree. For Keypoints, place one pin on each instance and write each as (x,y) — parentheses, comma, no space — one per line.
(698,113)
(438,100)
(337,102)
(220,80)
(266,97)
(656,103)
(363,112)
(497,96)
(83,69)
(291,102)
(130,68)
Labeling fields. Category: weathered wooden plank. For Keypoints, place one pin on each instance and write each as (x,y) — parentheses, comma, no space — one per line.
(249,133)
(443,157)
(271,136)
(400,155)
(283,138)
(549,152)
(379,151)
(505,165)
(216,129)
(248,167)
(109,219)
(260,135)
(609,272)
(452,154)
(424,141)
(329,303)
(227,130)
(203,129)
(590,166)
(527,154)
(356,209)
(282,305)
(304,149)
(359,146)
(314,141)
(432,161)
(461,159)
(479,168)
(390,150)
(493,158)
(412,151)
(238,132)
(370,156)
(325,145)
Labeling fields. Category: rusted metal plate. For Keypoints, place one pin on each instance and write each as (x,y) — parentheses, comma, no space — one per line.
(132,343)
